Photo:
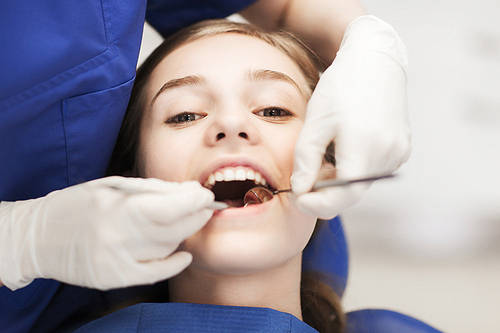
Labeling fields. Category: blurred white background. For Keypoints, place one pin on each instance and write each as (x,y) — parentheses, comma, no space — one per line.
(428,243)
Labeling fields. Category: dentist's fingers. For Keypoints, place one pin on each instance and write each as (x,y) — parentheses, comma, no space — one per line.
(329,202)
(184,199)
(175,232)
(189,225)
(158,270)
(136,185)
(126,273)
(309,152)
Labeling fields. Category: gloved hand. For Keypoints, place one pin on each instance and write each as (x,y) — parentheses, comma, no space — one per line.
(360,102)
(95,235)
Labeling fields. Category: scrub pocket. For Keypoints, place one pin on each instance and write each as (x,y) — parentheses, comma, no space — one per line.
(91,124)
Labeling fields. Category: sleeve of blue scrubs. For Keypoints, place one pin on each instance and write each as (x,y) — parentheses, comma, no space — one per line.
(189,12)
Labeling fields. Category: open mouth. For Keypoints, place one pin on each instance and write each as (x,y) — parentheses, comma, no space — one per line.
(235,192)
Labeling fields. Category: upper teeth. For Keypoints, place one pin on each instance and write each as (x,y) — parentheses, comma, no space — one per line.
(230,173)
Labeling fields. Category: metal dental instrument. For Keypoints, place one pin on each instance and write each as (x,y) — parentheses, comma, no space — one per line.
(260,194)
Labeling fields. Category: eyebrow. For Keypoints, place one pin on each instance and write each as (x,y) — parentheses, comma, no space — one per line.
(267,74)
(190,80)
(257,75)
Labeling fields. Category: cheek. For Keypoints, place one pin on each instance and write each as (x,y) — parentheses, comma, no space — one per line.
(164,156)
(282,145)
(299,227)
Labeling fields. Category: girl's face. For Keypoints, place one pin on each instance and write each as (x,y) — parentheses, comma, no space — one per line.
(227,109)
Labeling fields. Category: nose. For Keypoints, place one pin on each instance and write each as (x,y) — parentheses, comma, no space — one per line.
(232,129)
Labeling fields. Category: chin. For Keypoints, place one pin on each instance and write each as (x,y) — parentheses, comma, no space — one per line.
(252,239)
(240,254)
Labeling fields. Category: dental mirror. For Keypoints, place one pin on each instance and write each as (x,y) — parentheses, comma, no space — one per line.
(260,194)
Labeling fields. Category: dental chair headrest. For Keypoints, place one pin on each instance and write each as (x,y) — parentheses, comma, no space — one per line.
(327,254)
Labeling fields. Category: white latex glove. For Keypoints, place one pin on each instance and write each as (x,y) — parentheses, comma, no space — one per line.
(96,236)
(360,102)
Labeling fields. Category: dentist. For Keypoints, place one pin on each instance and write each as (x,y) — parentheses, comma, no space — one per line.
(67,71)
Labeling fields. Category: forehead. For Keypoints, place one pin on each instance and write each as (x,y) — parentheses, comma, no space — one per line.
(226,56)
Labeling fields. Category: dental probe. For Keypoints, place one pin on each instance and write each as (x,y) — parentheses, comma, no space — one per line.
(216,205)
(341,182)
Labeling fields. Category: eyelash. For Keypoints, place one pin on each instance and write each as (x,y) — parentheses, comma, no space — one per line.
(274,108)
(180,118)
(176,120)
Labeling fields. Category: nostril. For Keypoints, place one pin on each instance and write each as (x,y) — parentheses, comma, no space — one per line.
(243,135)
(220,136)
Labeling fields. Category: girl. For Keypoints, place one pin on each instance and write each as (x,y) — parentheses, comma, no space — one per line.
(222,103)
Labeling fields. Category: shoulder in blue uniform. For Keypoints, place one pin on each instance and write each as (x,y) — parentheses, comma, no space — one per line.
(189,12)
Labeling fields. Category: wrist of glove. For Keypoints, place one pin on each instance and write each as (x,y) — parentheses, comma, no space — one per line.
(360,103)
(95,235)
(16,268)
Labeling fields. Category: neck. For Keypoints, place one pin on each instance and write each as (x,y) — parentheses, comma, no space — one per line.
(277,288)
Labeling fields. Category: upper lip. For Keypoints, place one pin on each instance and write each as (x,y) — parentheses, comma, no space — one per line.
(235,162)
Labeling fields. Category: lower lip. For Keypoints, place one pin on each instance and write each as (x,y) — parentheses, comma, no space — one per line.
(250,210)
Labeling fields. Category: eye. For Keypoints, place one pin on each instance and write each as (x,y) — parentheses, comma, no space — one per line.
(184,117)
(274,112)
